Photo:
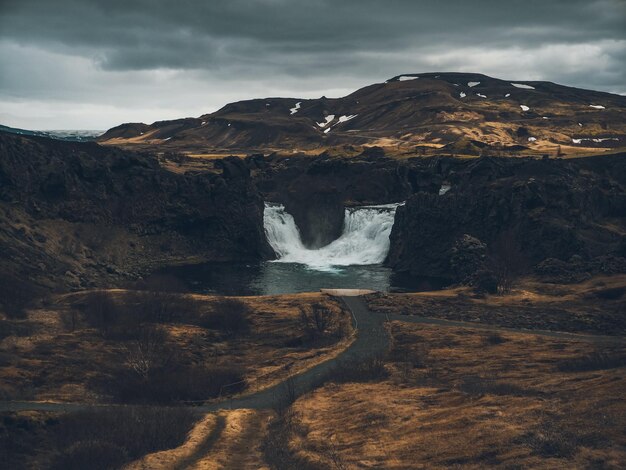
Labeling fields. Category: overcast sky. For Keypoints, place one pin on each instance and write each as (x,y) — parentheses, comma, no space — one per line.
(93,64)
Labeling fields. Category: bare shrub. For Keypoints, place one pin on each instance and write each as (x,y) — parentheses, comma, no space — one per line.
(506,260)
(101,312)
(92,454)
(162,307)
(367,370)
(493,339)
(70,319)
(16,295)
(277,451)
(228,315)
(15,328)
(153,373)
(149,352)
(595,361)
(317,320)
(108,438)
(551,439)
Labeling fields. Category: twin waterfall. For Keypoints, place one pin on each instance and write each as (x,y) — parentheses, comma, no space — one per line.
(365,238)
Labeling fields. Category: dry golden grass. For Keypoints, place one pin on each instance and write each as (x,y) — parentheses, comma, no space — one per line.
(578,308)
(220,441)
(55,364)
(472,404)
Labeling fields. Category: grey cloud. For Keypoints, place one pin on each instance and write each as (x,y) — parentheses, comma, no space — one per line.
(300,46)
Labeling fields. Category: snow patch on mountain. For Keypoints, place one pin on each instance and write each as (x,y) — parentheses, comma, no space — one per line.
(345,118)
(521,85)
(295,109)
(592,139)
(328,120)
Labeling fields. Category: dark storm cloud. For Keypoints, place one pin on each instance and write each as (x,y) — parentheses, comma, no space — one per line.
(574,42)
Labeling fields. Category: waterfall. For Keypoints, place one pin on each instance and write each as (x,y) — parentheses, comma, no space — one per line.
(365,238)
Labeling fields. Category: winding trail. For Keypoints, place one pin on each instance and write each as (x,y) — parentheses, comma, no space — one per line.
(372,340)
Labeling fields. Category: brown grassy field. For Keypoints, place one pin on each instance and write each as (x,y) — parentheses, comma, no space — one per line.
(468,399)
(595,306)
(444,396)
(52,360)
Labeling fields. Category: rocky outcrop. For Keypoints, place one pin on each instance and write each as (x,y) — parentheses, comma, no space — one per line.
(547,208)
(578,269)
(73,213)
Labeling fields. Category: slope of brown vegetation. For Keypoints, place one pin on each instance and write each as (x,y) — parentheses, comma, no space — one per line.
(406,115)
(595,306)
(81,350)
(458,397)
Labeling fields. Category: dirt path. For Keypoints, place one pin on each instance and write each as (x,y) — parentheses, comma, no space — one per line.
(372,340)
(239,445)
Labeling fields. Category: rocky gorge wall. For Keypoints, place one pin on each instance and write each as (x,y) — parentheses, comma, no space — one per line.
(545,208)
(80,214)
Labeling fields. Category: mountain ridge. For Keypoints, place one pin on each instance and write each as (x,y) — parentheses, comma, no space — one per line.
(408,110)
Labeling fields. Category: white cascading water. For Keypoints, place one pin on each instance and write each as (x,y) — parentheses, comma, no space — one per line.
(365,238)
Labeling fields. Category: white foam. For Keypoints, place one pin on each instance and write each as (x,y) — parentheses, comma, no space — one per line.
(295,109)
(521,85)
(328,120)
(326,131)
(596,106)
(365,238)
(580,124)
(404,78)
(545,117)
(444,189)
(524,107)
(577,141)
(471,84)
(462,95)
(507,95)
(482,96)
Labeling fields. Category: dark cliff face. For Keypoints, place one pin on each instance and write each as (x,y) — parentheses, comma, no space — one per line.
(69,206)
(547,208)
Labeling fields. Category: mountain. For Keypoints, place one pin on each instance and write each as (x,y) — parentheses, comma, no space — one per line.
(460,112)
